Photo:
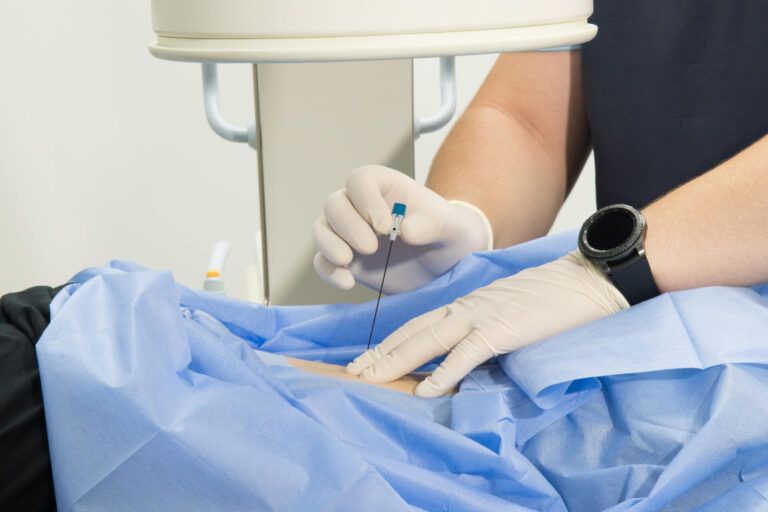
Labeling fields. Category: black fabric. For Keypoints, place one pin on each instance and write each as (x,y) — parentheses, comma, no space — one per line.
(26,482)
(672,88)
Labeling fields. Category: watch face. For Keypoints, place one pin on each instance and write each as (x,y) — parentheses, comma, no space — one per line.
(611,232)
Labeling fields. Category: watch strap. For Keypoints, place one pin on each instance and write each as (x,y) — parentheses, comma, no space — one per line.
(634,279)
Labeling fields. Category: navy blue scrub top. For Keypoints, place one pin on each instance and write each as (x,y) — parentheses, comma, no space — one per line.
(672,88)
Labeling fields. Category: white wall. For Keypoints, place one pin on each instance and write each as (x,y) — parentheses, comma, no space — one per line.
(105,153)
(104,150)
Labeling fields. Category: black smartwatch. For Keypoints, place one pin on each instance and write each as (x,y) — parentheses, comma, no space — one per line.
(613,239)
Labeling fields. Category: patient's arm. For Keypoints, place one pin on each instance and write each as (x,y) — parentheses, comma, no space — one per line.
(406,384)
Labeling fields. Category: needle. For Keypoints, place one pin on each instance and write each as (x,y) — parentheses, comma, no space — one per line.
(398,214)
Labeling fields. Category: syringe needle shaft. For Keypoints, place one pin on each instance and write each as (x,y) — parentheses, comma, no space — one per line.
(381,289)
(398,214)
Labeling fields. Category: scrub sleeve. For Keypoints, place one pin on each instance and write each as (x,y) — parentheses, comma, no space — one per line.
(672,89)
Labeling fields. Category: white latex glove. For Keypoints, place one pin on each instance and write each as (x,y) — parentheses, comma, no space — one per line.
(351,238)
(509,313)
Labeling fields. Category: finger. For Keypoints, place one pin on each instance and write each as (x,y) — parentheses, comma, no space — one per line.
(465,357)
(348,224)
(366,187)
(335,276)
(432,341)
(330,245)
(405,331)
(423,227)
(361,362)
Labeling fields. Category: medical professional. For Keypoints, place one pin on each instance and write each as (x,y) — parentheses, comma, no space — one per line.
(673,99)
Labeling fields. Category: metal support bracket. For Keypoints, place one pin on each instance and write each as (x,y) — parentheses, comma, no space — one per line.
(221,126)
(247,134)
(447,97)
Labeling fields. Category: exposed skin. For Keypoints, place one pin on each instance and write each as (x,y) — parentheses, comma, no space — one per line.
(406,384)
(522,142)
(520,145)
(714,229)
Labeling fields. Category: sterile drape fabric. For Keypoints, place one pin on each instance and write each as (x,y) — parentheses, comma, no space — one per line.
(158,397)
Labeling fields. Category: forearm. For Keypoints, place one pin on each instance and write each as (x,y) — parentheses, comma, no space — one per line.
(519,146)
(714,229)
(493,162)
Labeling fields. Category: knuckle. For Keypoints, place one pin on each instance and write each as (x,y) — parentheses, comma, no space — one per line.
(435,337)
(332,203)
(337,195)
(318,232)
(362,173)
(477,347)
(374,374)
(411,326)
(321,264)
(323,251)
(320,224)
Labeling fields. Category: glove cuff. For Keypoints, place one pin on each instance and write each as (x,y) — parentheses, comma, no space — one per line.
(483,219)
(610,289)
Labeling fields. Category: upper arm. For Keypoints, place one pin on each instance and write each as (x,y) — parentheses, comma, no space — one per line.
(542,91)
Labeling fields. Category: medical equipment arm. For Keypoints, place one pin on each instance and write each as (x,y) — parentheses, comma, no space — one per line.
(714,229)
(508,314)
(520,145)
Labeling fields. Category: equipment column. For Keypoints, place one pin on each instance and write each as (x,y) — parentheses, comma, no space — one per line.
(317,122)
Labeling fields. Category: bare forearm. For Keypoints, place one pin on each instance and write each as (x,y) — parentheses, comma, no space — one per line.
(714,229)
(519,146)
(491,161)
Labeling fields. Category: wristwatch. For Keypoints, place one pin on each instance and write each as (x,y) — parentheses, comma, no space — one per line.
(613,239)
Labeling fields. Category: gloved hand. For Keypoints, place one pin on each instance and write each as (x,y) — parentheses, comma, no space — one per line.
(509,313)
(351,237)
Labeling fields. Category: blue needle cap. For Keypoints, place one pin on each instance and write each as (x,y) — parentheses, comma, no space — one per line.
(398,209)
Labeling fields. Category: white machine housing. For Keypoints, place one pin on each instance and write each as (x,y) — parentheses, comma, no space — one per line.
(334,30)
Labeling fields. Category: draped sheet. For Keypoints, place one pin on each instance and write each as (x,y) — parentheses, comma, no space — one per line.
(158,397)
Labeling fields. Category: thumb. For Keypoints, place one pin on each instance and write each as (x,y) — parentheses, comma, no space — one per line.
(424,227)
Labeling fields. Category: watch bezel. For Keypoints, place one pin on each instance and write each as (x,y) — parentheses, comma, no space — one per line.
(621,251)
